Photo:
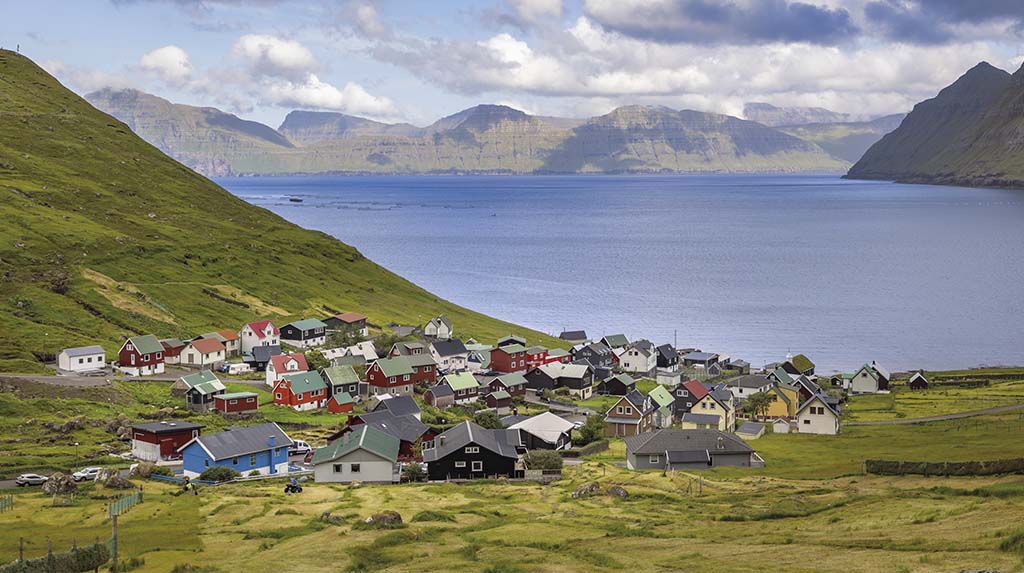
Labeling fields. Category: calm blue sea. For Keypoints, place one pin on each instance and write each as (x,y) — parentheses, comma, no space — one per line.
(751,265)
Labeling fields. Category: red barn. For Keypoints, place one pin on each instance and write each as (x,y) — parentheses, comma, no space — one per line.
(509,358)
(236,403)
(301,391)
(156,441)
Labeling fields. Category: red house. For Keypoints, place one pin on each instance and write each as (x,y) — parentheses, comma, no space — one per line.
(157,441)
(236,403)
(509,358)
(341,403)
(397,375)
(301,391)
(536,356)
(141,356)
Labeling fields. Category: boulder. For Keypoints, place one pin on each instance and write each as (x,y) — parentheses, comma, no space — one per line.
(618,491)
(142,469)
(118,482)
(384,519)
(586,490)
(60,484)
(328,517)
(105,475)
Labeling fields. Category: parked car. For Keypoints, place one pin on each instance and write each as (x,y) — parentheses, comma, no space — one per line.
(30,479)
(85,474)
(299,447)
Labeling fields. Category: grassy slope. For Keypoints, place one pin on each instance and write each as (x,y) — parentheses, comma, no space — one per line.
(105,236)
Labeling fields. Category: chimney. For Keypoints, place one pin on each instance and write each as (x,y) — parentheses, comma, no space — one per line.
(272,441)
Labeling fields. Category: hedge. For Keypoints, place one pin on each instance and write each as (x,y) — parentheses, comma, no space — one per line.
(973,468)
(86,558)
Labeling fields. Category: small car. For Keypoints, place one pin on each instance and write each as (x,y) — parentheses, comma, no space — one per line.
(30,479)
(85,474)
(298,448)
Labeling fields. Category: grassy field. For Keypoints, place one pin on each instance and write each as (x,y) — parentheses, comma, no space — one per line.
(939,399)
(743,524)
(601,404)
(106,237)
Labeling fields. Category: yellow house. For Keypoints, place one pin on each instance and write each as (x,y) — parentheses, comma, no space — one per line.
(785,400)
(718,403)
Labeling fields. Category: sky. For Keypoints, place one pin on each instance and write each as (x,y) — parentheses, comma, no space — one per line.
(417,61)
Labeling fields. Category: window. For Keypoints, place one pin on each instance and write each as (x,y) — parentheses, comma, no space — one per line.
(405,378)
(655,459)
(145,358)
(392,379)
(629,410)
(460,464)
(232,401)
(807,421)
(250,400)
(472,449)
(80,361)
(234,461)
(206,463)
(195,433)
(689,404)
(354,468)
(618,410)
(252,460)
(478,466)
(337,468)
(298,396)
(280,451)
(277,396)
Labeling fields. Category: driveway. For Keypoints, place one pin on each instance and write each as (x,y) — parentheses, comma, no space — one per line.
(955,416)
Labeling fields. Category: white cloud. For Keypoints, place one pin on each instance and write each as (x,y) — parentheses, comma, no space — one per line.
(312,93)
(169,63)
(275,57)
(537,10)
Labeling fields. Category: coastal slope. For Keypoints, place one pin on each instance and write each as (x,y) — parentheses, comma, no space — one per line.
(968,134)
(484,139)
(105,237)
(847,140)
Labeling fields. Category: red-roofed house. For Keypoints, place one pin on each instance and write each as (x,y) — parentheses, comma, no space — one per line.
(348,322)
(260,333)
(285,364)
(232,342)
(206,353)
(686,395)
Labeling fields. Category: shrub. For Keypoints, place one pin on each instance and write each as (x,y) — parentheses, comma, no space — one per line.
(413,472)
(82,559)
(254,473)
(487,419)
(543,460)
(591,431)
(429,515)
(219,473)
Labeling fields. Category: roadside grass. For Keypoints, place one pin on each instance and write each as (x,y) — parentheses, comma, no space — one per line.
(750,523)
(938,400)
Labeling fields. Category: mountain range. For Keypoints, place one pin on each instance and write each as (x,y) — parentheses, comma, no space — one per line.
(971,133)
(485,139)
(105,236)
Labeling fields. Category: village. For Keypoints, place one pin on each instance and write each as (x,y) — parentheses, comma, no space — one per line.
(501,405)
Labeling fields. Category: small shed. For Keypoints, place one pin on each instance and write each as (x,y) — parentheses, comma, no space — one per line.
(750,430)
(500,401)
(81,359)
(237,403)
(780,426)
(918,381)
(441,396)
(341,403)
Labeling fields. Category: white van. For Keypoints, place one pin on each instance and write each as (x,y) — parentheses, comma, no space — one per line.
(237,368)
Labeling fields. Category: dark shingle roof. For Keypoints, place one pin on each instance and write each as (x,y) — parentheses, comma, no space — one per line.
(399,406)
(265,353)
(661,441)
(449,347)
(501,442)
(406,428)
(442,390)
(688,457)
(243,441)
(750,381)
(166,426)
(573,335)
(667,352)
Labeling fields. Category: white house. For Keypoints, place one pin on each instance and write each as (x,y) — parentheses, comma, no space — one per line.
(366,454)
(639,359)
(817,417)
(450,355)
(743,386)
(203,353)
(284,364)
(81,359)
(439,328)
(260,333)
(870,379)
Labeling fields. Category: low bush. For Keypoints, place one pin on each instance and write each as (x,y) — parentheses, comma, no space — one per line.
(219,473)
(429,515)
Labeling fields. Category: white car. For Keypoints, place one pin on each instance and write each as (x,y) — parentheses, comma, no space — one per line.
(299,448)
(85,474)
(30,479)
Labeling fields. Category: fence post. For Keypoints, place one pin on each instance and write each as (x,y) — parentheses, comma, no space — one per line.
(113,538)
(21,549)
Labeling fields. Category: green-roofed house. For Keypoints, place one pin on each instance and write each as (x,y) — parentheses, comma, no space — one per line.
(141,356)
(364,454)
(464,386)
(237,403)
(663,401)
(341,403)
(199,390)
(500,402)
(341,378)
(304,333)
(301,391)
(799,364)
(615,341)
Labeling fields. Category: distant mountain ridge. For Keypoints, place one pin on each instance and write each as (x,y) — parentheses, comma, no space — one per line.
(968,134)
(774,116)
(485,139)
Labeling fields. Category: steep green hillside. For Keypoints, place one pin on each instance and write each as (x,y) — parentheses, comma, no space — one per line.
(485,139)
(848,140)
(104,236)
(968,133)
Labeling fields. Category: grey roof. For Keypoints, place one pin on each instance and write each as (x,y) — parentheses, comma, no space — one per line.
(687,457)
(238,441)
(700,356)
(749,427)
(636,398)
(507,421)
(406,428)
(700,418)
(573,335)
(750,381)
(83,351)
(502,442)
(399,406)
(667,352)
(166,426)
(824,399)
(441,390)
(546,426)
(660,441)
(264,353)
(449,347)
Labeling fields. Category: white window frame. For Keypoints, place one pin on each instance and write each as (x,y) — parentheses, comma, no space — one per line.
(460,464)
(655,459)
(478,466)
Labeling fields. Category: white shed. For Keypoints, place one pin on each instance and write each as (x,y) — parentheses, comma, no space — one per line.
(81,359)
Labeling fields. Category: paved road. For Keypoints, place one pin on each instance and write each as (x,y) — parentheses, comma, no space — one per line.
(956,416)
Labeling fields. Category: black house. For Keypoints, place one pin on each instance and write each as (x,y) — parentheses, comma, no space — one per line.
(597,354)
(468,451)
(617,385)
(260,356)
(667,357)
(538,379)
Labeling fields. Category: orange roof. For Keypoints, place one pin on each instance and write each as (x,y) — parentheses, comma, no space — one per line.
(228,334)
(350,317)
(208,345)
(279,360)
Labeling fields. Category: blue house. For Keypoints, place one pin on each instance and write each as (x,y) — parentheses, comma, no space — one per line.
(262,448)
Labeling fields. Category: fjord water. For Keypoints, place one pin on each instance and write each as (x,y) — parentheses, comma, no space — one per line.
(750,265)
